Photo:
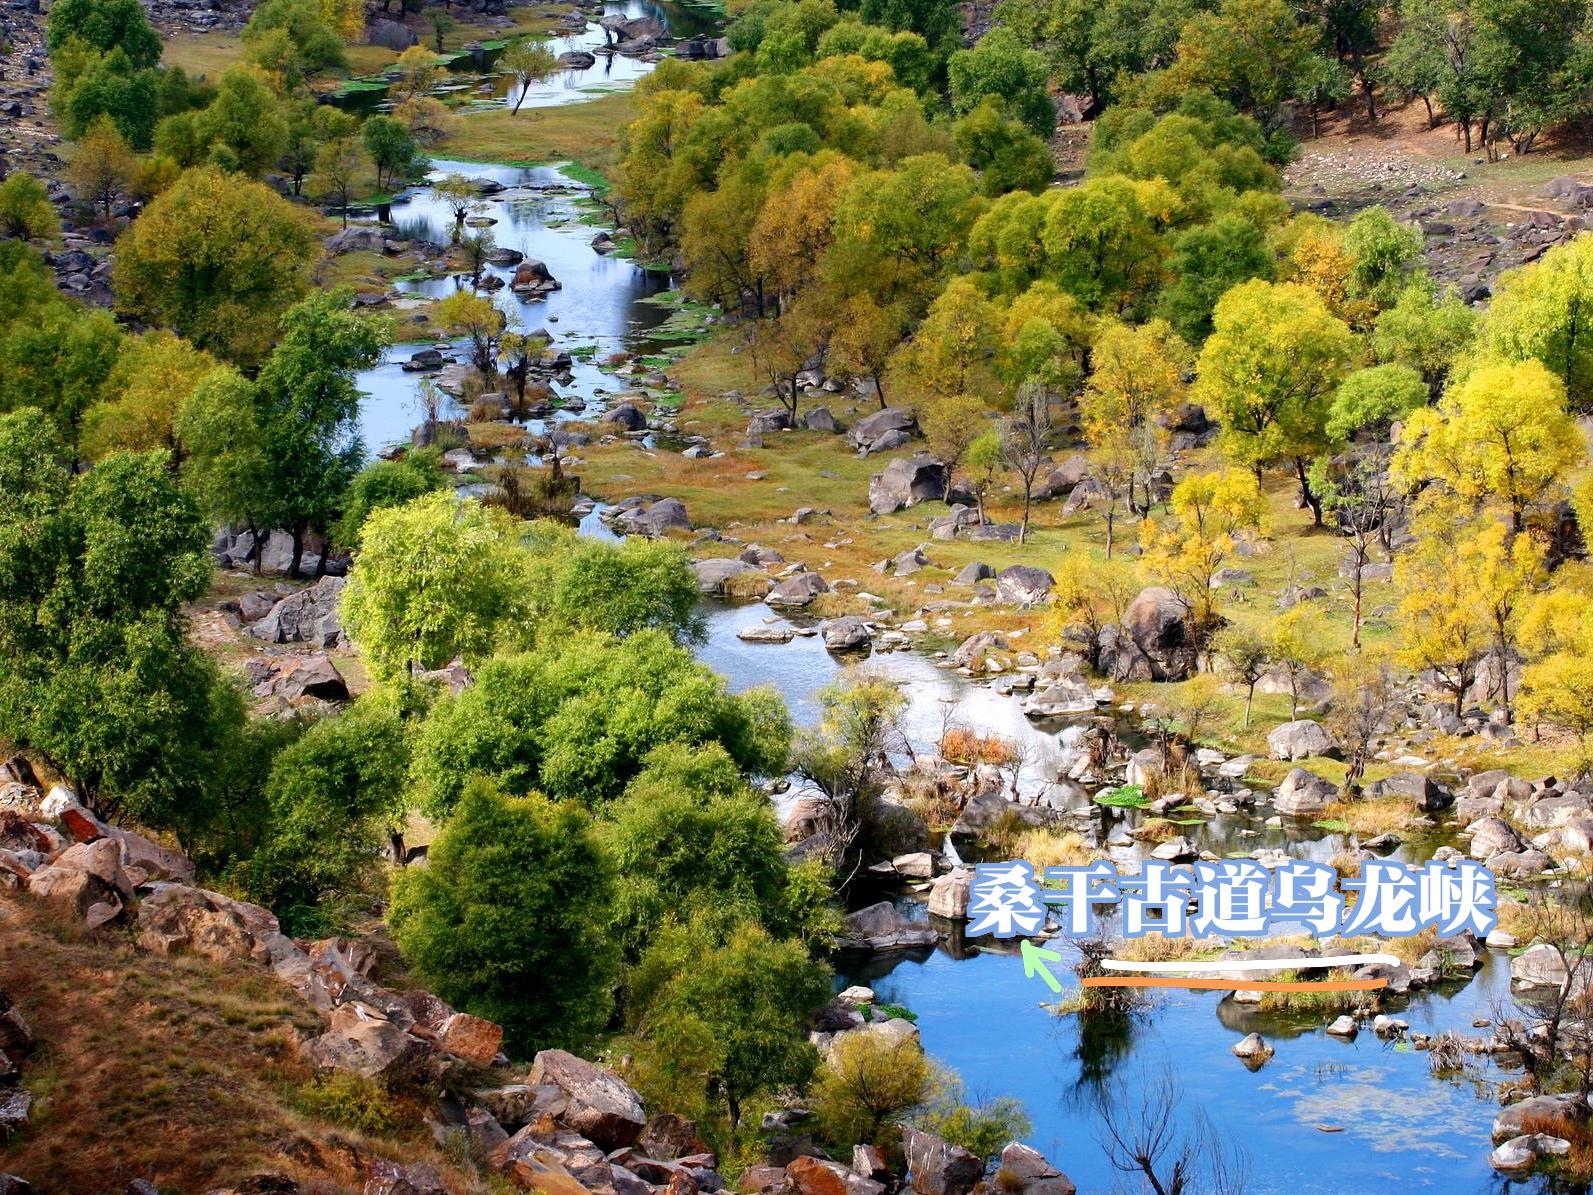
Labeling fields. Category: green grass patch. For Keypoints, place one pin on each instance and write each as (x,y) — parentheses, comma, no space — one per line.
(1127,796)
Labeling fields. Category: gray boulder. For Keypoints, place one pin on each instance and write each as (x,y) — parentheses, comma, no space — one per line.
(309,616)
(795,592)
(1492,836)
(879,927)
(868,430)
(846,633)
(1023,585)
(937,1167)
(1301,740)
(712,574)
(1303,794)
(598,1104)
(1157,631)
(906,482)
(627,416)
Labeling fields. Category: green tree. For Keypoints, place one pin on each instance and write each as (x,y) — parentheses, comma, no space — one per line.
(1383,255)
(690,838)
(747,1001)
(103,683)
(1543,311)
(1207,262)
(1270,368)
(105,25)
(507,919)
(26,212)
(436,578)
(217,259)
(1425,331)
(292,38)
(1007,156)
(246,118)
(332,795)
(868,1083)
(576,718)
(382,484)
(1001,67)
(1374,398)
(109,85)
(1102,244)
(154,376)
(58,362)
(618,589)
(392,148)
(529,61)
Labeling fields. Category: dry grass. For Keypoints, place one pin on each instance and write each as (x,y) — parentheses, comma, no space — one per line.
(1157,948)
(1048,848)
(1576,1166)
(587,133)
(176,1070)
(1369,818)
(962,745)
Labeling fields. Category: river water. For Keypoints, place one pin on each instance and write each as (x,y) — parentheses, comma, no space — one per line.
(1323,1117)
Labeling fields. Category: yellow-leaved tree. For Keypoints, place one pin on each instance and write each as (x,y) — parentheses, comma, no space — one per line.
(1207,512)
(1138,378)
(1443,628)
(1557,629)
(1503,434)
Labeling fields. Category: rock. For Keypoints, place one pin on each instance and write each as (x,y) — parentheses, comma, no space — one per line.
(669,1136)
(1176,850)
(819,419)
(1421,790)
(1540,966)
(797,591)
(293,678)
(360,1040)
(14,1107)
(937,1167)
(1343,1026)
(762,423)
(101,859)
(599,1104)
(1303,794)
(309,616)
(16,1038)
(575,60)
(766,634)
(176,918)
(1524,1152)
(1156,625)
(846,633)
(1519,865)
(867,430)
(1492,836)
(813,1176)
(906,482)
(1387,1026)
(626,416)
(353,240)
(656,519)
(1301,740)
(972,574)
(712,574)
(1253,1049)
(472,1038)
(1023,585)
(76,893)
(390,35)
(972,650)
(1027,1170)
(1511,1121)
(879,927)
(948,897)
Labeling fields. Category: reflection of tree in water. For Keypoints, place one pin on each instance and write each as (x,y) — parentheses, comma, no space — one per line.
(1104,1041)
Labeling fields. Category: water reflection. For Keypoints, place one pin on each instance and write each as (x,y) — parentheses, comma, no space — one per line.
(598,310)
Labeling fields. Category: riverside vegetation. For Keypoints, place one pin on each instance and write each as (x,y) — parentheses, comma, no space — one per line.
(1289,534)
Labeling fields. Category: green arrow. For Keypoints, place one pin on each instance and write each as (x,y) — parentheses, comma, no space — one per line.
(1034,963)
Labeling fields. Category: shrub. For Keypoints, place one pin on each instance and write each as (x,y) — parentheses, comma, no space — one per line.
(352,1101)
(868,1083)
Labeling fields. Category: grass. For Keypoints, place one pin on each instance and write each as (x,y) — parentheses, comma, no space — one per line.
(203,55)
(586,134)
(178,1070)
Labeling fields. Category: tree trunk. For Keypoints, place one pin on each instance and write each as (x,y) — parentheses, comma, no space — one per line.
(1023,527)
(1250,700)
(1432,121)
(1111,518)
(298,552)
(1314,501)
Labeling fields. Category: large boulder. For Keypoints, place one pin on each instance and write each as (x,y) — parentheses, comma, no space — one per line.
(1304,794)
(361,1040)
(712,574)
(815,1176)
(1540,966)
(797,591)
(309,616)
(869,429)
(847,633)
(626,416)
(1030,1173)
(178,919)
(880,927)
(656,519)
(1492,836)
(906,482)
(1511,1121)
(1421,790)
(1301,739)
(1158,644)
(598,1104)
(1023,585)
(391,35)
(937,1167)
(948,897)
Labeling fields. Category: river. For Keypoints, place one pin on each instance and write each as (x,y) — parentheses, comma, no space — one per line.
(1323,1117)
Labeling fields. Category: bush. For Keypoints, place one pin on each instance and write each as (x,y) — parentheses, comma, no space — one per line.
(352,1101)
(507,920)
(869,1083)
(983,1129)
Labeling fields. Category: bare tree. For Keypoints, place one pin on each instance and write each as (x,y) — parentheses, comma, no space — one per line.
(1365,503)
(1550,1024)
(1151,1133)
(1365,699)
(1023,435)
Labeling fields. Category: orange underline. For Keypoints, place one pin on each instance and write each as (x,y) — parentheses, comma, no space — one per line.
(1237,985)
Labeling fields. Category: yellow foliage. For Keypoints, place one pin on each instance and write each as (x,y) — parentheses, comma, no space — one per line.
(1208,511)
